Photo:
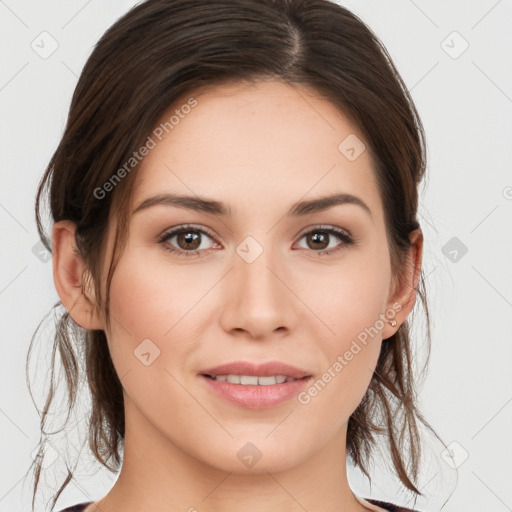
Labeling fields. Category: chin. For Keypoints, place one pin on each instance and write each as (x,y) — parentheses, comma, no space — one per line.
(241,455)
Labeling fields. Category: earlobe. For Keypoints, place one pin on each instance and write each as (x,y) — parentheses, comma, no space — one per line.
(69,270)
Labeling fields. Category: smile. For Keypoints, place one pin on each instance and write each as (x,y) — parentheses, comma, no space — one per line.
(247,391)
(252,380)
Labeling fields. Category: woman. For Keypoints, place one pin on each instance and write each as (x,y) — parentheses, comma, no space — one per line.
(236,245)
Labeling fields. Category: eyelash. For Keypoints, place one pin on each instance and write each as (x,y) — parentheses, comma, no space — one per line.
(342,234)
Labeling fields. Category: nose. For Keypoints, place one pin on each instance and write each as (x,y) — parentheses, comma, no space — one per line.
(258,298)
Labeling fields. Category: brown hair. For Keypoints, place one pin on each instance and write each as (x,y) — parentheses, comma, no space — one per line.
(160,51)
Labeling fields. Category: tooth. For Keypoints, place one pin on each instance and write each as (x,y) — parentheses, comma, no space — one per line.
(253,380)
(265,381)
(249,379)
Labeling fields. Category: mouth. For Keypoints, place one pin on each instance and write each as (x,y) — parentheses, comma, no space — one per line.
(249,370)
(253,380)
(255,396)
(255,386)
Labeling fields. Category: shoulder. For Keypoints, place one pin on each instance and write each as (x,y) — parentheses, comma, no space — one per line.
(76,508)
(389,506)
(383,504)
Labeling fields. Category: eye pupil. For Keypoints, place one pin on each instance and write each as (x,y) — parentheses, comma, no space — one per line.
(190,238)
(319,237)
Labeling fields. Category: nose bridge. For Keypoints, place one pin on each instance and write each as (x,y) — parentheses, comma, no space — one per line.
(254,266)
(259,300)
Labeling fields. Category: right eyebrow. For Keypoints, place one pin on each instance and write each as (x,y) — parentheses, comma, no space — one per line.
(188,202)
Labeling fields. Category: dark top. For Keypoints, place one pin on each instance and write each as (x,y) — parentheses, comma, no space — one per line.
(384,504)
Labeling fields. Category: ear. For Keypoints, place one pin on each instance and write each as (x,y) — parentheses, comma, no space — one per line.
(71,277)
(403,296)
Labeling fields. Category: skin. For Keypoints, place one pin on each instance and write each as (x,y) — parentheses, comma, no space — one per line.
(259,149)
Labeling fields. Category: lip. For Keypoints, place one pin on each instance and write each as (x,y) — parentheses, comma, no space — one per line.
(260,369)
(256,397)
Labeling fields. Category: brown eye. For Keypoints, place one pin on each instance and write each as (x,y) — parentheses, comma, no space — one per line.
(318,239)
(189,241)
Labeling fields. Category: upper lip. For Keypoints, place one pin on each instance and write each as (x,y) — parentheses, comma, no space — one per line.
(257,369)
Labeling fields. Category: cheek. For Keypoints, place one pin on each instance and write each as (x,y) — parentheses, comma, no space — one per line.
(348,299)
(351,349)
(152,309)
(350,304)
(150,303)
(154,297)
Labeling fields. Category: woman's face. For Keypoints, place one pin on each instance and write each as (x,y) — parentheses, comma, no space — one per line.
(266,281)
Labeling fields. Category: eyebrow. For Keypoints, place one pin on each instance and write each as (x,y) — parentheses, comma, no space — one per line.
(217,208)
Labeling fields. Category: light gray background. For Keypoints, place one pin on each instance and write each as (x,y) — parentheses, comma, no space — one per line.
(465,102)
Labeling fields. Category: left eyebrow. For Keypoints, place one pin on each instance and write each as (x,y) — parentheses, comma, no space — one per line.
(323,203)
(218,208)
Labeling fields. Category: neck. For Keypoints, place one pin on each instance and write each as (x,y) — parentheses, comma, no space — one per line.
(158,475)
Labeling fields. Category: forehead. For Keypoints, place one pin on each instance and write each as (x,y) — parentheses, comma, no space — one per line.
(256,145)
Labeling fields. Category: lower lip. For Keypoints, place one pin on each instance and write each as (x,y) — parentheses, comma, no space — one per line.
(256,397)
